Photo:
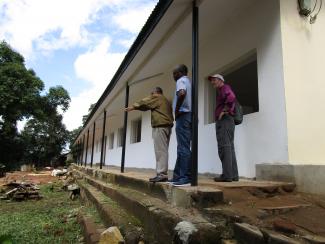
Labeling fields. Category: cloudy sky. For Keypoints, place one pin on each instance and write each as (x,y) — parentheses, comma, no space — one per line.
(78,44)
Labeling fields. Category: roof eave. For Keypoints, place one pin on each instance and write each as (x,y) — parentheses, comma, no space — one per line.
(156,15)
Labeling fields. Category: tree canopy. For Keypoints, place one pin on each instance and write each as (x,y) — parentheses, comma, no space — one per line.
(44,135)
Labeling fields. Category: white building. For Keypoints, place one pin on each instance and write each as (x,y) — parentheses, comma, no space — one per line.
(272,56)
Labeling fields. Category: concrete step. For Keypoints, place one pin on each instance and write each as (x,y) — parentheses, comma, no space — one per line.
(91,230)
(111,214)
(161,222)
(186,197)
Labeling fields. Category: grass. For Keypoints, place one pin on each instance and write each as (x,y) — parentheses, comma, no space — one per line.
(49,220)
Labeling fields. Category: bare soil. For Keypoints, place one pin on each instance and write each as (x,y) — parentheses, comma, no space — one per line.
(40,177)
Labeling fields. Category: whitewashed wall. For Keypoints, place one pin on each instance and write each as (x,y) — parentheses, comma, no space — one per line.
(263,136)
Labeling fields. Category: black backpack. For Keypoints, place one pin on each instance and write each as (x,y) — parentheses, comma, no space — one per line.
(238,113)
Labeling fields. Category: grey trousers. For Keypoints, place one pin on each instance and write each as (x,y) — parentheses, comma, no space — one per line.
(225,130)
(161,138)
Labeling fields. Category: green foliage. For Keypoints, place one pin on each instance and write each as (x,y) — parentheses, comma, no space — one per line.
(85,117)
(6,239)
(44,136)
(42,221)
(44,140)
(58,97)
(19,88)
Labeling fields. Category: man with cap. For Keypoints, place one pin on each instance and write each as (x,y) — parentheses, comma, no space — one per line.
(225,128)
(162,123)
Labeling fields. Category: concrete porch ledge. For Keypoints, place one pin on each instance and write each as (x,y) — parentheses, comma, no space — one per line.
(208,193)
(186,197)
(308,178)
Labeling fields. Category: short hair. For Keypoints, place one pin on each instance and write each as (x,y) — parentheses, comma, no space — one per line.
(182,68)
(158,90)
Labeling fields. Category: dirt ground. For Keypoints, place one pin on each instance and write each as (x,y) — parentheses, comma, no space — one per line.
(41,177)
(49,219)
(292,213)
(264,204)
(269,205)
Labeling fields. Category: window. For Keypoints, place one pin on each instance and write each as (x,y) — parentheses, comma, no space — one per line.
(120,133)
(105,140)
(111,141)
(242,77)
(135,131)
(98,146)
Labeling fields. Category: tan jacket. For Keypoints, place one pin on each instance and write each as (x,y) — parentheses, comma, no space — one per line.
(161,110)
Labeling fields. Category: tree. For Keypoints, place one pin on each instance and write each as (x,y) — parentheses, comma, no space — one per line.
(19,88)
(19,95)
(44,135)
(44,140)
(85,117)
(72,137)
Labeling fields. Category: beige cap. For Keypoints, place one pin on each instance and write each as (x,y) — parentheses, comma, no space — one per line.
(220,77)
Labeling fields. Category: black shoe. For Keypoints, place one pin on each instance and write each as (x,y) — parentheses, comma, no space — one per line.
(158,178)
(235,179)
(221,179)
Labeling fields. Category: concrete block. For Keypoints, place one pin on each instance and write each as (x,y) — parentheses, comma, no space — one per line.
(248,234)
(181,197)
(275,172)
(307,178)
(207,197)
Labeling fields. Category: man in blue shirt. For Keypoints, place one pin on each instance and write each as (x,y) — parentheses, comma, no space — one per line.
(183,116)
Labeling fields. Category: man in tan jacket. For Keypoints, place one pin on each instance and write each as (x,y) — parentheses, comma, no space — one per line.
(162,123)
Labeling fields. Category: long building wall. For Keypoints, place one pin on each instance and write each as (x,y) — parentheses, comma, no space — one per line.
(263,135)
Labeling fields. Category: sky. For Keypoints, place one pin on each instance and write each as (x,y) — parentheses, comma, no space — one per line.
(78,44)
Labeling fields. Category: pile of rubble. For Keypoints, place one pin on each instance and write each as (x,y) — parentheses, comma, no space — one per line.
(20,191)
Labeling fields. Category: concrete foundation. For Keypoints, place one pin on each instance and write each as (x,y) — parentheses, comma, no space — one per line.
(308,178)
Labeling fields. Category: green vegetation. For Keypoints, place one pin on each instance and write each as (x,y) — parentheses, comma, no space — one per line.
(22,98)
(49,220)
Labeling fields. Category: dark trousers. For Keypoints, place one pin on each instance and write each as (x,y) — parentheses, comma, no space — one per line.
(225,130)
(182,171)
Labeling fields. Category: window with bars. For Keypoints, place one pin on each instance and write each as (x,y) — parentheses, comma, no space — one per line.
(136,130)
(120,137)
(111,140)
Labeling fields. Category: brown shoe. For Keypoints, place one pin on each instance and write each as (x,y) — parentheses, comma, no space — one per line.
(158,178)
(221,179)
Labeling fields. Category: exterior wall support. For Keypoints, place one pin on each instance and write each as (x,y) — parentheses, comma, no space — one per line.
(92,146)
(125,127)
(82,149)
(195,70)
(103,146)
(87,148)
